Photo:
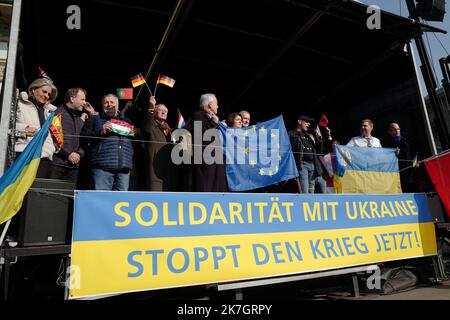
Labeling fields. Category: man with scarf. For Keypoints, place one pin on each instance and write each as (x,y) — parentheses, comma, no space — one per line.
(156,132)
(395,140)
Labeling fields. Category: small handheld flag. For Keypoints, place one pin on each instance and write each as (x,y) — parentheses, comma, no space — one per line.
(125,93)
(414,161)
(43,74)
(122,128)
(318,133)
(180,121)
(57,130)
(137,80)
(323,121)
(166,81)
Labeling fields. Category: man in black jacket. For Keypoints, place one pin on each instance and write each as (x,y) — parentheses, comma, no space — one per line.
(404,152)
(306,149)
(66,160)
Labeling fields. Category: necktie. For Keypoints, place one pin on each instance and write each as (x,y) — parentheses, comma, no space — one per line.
(369,142)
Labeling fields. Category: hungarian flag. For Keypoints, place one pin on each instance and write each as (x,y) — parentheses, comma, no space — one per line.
(166,80)
(137,80)
(323,121)
(180,121)
(57,130)
(125,93)
(122,128)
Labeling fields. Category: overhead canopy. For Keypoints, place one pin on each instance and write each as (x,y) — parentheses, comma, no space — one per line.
(267,56)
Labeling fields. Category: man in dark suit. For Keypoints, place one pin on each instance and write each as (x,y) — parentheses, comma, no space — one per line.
(207,176)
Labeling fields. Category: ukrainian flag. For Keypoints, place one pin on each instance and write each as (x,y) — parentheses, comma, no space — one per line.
(16,181)
(366,170)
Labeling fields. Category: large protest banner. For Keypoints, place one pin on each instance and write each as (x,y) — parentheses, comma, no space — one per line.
(134,241)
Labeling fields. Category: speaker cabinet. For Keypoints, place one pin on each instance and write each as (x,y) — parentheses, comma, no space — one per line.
(431,10)
(436,208)
(45,213)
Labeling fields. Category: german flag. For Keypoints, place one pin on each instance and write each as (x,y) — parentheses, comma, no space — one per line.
(137,80)
(166,81)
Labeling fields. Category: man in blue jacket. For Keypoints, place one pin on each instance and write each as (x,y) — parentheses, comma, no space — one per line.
(111,151)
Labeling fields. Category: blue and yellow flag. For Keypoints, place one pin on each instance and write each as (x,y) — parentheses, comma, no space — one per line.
(258,155)
(366,170)
(16,181)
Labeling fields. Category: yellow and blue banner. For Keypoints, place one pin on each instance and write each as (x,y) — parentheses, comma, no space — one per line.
(16,181)
(366,170)
(258,155)
(136,241)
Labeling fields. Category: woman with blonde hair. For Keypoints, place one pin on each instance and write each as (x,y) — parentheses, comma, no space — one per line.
(33,109)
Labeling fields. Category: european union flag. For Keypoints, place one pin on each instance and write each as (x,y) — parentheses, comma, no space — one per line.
(257,156)
(366,170)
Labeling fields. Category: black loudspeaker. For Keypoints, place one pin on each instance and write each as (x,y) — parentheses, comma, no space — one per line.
(431,10)
(436,208)
(45,213)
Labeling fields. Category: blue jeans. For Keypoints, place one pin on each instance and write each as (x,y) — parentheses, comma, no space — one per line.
(321,185)
(110,180)
(307,177)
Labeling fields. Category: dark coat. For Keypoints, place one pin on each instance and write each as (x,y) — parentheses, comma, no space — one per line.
(72,126)
(405,149)
(111,152)
(297,139)
(158,164)
(207,177)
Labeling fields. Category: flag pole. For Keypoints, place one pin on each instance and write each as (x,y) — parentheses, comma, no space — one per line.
(298,185)
(148,88)
(5,229)
(156,85)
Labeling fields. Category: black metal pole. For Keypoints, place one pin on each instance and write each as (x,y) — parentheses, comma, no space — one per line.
(445,67)
(442,118)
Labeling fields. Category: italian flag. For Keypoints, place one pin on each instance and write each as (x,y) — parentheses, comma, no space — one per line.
(122,128)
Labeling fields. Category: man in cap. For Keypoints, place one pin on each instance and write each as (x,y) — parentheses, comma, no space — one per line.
(305,148)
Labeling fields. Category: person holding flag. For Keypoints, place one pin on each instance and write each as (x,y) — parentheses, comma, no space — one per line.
(306,149)
(112,155)
(33,109)
(67,159)
(394,139)
(165,80)
(156,132)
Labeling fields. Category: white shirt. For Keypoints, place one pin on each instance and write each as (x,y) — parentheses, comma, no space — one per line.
(361,141)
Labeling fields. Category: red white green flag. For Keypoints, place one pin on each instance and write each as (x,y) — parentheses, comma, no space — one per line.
(122,128)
